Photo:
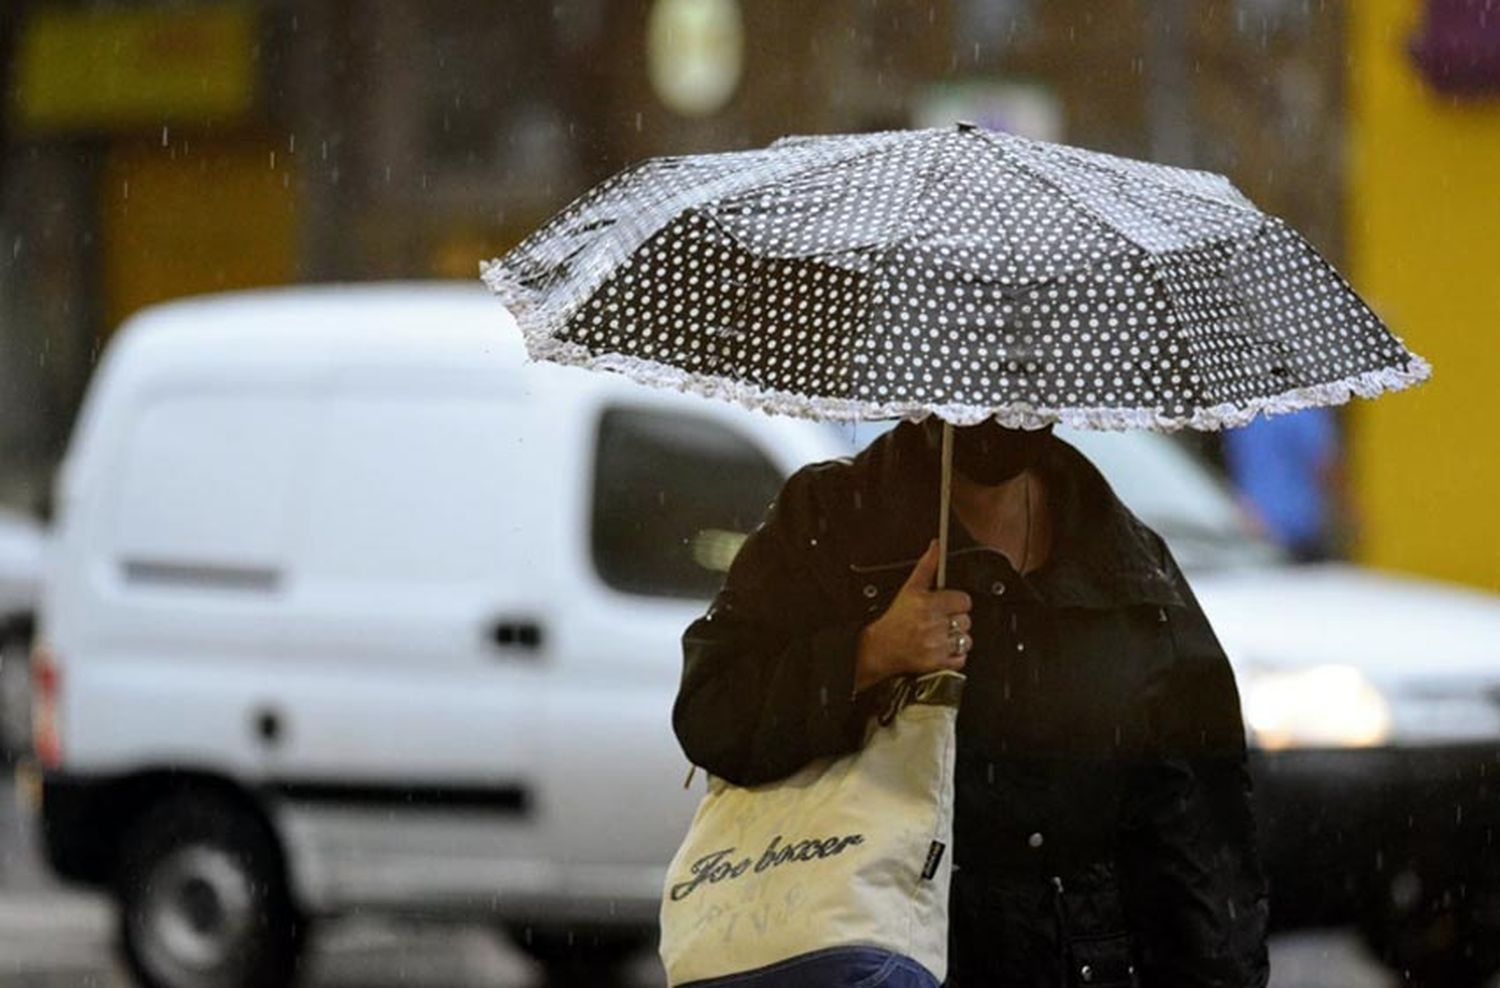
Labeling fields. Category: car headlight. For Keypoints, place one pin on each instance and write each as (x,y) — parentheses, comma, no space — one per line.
(714,549)
(1327,706)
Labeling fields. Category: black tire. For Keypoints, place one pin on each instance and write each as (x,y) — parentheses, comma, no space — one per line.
(203,899)
(581,954)
(15,689)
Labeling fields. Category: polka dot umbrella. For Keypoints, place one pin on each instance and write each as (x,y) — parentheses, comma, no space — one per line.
(958,272)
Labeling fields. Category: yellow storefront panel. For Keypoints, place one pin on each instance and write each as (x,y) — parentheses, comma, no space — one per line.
(212,218)
(1425,245)
(121,68)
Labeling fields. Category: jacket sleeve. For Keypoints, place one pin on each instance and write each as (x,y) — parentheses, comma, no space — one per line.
(767,679)
(1191,874)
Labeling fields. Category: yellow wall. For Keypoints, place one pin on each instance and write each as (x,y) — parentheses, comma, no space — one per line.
(1425,251)
(202,216)
(120,68)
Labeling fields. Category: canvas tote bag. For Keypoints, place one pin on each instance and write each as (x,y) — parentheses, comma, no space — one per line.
(836,875)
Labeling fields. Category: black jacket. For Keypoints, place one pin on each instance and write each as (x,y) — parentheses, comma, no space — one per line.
(1102,832)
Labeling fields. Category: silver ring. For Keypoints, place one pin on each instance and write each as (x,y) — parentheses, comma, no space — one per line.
(961,644)
(953,628)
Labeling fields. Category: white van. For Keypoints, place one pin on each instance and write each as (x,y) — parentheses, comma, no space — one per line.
(354,608)
(349,607)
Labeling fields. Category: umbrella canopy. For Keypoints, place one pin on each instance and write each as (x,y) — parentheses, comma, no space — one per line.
(958,272)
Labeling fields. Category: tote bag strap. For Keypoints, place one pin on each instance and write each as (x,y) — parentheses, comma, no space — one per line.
(936,689)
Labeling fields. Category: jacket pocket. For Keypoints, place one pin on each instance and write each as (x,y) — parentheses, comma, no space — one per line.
(1099,948)
(1101,962)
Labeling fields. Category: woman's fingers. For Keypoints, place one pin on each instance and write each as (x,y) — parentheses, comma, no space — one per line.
(942,649)
(949,660)
(937,631)
(949,602)
(947,625)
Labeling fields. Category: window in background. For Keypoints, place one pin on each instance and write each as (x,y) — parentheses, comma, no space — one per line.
(674,496)
(489,104)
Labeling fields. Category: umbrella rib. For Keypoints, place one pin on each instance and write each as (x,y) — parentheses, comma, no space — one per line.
(705,208)
(1074,200)
(1133,169)
(881,262)
(1041,176)
(1194,382)
(1235,240)
(626,232)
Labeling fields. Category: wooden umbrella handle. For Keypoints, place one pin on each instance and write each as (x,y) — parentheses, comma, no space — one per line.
(943,506)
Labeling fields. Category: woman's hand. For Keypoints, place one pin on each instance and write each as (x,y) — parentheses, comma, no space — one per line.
(922,631)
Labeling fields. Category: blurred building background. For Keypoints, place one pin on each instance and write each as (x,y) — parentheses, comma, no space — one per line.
(154,150)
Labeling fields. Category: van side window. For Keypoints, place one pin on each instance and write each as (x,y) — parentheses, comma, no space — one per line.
(674,496)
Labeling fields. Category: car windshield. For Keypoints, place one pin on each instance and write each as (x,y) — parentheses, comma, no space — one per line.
(1166,486)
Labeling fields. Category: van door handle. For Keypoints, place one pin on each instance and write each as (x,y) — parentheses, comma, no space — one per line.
(512,636)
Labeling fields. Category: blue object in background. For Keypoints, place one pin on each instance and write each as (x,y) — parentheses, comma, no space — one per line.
(1284,466)
(836,967)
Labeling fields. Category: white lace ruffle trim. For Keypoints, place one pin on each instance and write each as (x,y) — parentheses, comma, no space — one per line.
(542,344)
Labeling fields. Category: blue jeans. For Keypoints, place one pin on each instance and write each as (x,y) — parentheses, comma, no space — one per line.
(836,967)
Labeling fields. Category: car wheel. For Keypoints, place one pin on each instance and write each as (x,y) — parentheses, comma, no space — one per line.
(203,899)
(579,955)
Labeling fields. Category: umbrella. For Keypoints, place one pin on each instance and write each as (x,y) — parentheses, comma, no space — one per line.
(957,271)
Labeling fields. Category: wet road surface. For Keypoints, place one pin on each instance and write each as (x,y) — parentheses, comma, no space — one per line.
(55,938)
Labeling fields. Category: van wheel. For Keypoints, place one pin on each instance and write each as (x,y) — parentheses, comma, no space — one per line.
(579,955)
(15,696)
(204,901)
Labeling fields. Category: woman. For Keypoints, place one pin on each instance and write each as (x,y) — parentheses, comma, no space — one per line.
(1102,831)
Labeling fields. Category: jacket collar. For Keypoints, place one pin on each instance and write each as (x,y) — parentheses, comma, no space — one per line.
(1102,555)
